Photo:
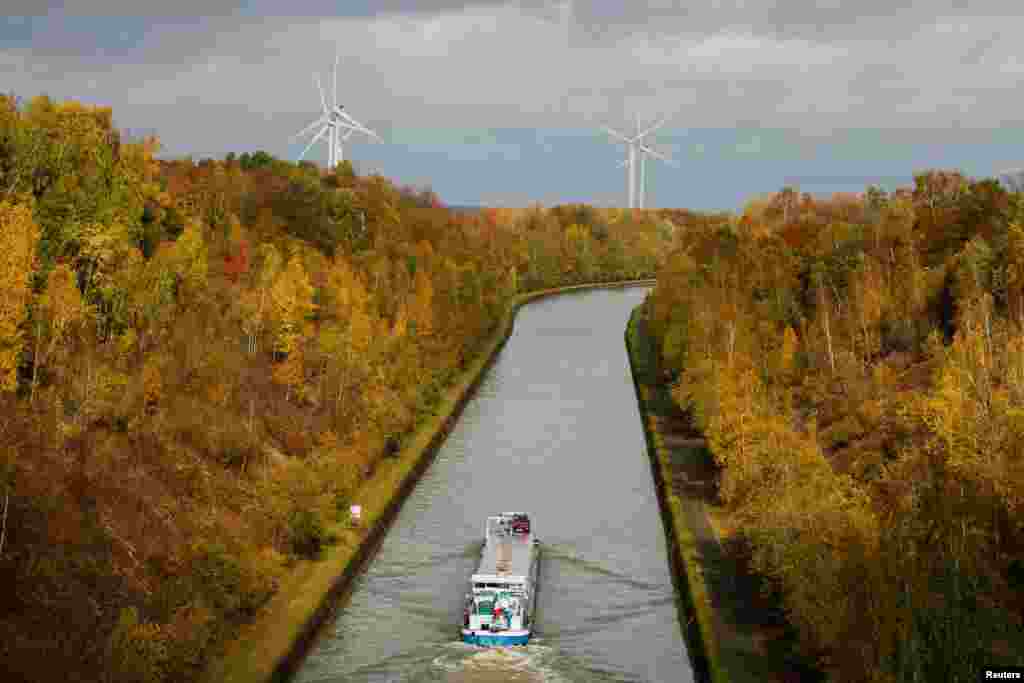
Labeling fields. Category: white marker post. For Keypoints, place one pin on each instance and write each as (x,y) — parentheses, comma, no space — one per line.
(357,514)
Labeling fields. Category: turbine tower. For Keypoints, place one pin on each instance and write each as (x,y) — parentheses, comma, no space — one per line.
(645,152)
(335,122)
(638,152)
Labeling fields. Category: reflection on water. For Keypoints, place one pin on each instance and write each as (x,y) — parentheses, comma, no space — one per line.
(553,431)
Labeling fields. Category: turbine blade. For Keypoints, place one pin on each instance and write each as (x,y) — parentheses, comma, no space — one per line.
(314,141)
(323,100)
(616,134)
(657,155)
(653,128)
(308,128)
(355,125)
(352,123)
(365,131)
(337,56)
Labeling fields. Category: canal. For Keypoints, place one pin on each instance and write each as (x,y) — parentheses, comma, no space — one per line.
(554,431)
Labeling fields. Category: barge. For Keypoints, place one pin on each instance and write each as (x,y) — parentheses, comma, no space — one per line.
(499,609)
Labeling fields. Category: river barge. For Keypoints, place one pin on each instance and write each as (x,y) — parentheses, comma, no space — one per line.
(499,609)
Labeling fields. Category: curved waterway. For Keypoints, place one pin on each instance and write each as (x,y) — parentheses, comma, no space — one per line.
(554,431)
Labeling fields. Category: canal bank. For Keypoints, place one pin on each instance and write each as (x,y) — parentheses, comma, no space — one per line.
(696,615)
(269,648)
(735,632)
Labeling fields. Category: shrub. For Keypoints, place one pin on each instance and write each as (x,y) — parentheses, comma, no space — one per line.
(137,651)
(219,576)
(899,335)
(842,432)
(306,534)
(192,632)
(234,445)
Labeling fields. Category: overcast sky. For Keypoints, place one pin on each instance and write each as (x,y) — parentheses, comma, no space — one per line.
(500,102)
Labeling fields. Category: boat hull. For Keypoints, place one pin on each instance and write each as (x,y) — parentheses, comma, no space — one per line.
(495,639)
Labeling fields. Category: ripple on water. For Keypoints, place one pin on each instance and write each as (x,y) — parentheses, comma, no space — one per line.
(473,664)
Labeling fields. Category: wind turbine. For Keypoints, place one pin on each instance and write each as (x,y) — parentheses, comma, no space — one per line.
(335,122)
(1012,179)
(638,152)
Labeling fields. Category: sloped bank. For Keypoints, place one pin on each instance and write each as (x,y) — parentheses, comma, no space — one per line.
(696,618)
(736,629)
(270,648)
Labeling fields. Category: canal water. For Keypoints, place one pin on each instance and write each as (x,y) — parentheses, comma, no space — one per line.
(553,431)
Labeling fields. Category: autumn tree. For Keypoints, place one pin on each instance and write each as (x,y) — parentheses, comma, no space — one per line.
(236,260)
(254,303)
(19,236)
(291,299)
(60,308)
(422,313)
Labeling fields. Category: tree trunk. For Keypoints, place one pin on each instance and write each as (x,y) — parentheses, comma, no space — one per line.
(36,361)
(3,531)
(828,339)
(342,381)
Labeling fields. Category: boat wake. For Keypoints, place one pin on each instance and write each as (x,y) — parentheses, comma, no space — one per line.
(567,554)
(466,662)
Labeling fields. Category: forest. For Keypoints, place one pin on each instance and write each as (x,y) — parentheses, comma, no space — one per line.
(856,366)
(201,361)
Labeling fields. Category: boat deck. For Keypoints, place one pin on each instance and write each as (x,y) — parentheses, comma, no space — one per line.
(507,555)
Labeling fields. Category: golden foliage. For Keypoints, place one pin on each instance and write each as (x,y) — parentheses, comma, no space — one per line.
(422,312)
(291,373)
(787,352)
(400,326)
(19,235)
(189,258)
(137,650)
(361,326)
(291,298)
(152,383)
(62,301)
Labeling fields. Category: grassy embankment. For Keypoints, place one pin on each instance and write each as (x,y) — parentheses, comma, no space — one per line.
(271,646)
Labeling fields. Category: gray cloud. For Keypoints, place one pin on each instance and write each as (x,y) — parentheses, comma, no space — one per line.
(236,75)
(209,8)
(978,51)
(819,21)
(121,8)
